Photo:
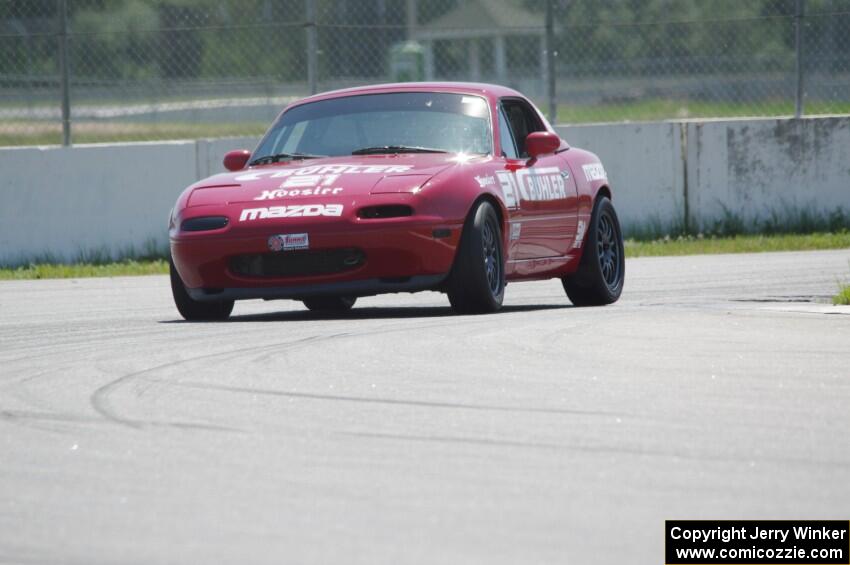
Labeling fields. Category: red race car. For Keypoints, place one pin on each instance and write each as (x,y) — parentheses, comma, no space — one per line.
(453,187)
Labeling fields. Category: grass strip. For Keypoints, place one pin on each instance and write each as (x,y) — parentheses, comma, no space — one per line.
(693,245)
(129,267)
(684,245)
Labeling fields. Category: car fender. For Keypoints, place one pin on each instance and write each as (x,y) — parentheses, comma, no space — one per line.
(454,192)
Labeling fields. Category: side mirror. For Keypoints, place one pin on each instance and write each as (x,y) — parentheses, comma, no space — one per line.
(236,160)
(540,143)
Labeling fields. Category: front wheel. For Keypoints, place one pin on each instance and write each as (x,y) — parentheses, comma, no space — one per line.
(602,269)
(330,303)
(477,281)
(194,310)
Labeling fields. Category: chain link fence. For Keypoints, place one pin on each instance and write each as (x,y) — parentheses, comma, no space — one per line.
(117,70)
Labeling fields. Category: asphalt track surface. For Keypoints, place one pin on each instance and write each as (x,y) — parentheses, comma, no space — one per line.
(718,387)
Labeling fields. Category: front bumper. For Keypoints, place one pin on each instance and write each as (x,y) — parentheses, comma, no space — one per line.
(401,255)
(367,287)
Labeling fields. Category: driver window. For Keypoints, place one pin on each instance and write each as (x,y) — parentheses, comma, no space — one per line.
(522,121)
(508,145)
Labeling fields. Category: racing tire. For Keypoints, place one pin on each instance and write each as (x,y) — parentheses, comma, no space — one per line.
(602,267)
(194,310)
(330,303)
(476,284)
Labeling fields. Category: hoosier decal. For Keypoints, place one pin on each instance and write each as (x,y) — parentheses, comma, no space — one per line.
(282,193)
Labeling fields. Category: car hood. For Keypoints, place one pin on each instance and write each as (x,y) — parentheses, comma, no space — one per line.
(330,177)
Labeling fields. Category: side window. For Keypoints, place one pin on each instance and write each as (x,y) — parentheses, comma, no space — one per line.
(522,121)
(508,145)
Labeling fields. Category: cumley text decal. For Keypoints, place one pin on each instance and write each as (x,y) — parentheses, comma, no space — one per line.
(310,210)
(545,183)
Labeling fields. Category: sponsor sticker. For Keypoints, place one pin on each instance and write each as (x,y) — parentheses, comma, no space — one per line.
(296,192)
(485,181)
(580,231)
(329,173)
(294,211)
(308,181)
(289,241)
(545,183)
(594,172)
(508,186)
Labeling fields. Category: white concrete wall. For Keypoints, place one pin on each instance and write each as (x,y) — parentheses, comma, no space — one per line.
(759,167)
(644,167)
(63,202)
(753,168)
(211,152)
(116,198)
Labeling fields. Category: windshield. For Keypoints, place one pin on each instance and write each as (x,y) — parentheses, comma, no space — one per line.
(398,122)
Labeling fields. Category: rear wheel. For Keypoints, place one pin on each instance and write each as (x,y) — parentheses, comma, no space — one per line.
(601,272)
(330,303)
(194,310)
(477,281)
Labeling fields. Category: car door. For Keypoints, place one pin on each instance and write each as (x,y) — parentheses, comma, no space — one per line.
(542,191)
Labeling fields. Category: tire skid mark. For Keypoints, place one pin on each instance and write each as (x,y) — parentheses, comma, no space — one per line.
(483,441)
(99,399)
(47,421)
(469,321)
(16,386)
(448,405)
(38,424)
(83,343)
(396,401)
(43,420)
(89,341)
(72,340)
(49,416)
